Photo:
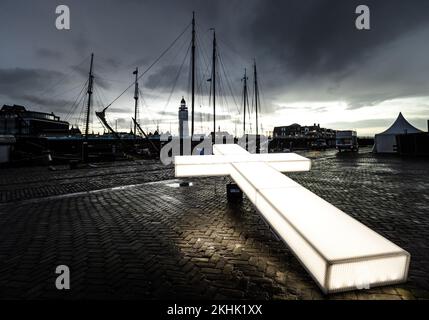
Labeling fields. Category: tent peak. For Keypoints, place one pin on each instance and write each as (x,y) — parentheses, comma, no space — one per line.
(401,126)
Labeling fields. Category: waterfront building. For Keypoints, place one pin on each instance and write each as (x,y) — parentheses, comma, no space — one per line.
(16,120)
(296,130)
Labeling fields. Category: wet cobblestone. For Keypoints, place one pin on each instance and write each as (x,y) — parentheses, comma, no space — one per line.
(27,183)
(156,240)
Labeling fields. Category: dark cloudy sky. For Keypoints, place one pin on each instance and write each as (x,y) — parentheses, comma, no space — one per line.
(314,65)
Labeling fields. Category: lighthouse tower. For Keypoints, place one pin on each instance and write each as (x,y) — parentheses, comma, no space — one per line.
(183,120)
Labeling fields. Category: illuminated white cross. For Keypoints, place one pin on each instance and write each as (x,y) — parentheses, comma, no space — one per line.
(339,252)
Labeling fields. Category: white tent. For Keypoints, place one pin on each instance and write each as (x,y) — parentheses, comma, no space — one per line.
(385,142)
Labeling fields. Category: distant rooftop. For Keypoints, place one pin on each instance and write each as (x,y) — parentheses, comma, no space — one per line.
(29,113)
(14,108)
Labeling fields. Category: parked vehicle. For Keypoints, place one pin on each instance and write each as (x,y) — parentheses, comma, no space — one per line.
(319,144)
(347,140)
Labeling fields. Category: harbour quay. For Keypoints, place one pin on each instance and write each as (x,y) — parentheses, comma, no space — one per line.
(131,230)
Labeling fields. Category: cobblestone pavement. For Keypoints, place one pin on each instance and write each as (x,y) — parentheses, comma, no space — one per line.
(35,182)
(151,240)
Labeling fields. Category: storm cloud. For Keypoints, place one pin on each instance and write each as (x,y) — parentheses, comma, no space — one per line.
(306,51)
(32,86)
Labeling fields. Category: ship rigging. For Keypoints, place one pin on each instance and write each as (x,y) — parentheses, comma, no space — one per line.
(209,87)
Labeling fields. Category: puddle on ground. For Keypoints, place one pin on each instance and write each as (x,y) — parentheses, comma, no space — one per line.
(177,184)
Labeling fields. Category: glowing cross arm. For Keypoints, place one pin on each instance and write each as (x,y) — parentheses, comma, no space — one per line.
(339,252)
(220,164)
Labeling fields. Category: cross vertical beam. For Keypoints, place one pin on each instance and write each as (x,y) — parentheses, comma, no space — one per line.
(339,252)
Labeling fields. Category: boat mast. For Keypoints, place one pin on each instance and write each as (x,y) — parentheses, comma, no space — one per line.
(244,101)
(88,107)
(136,98)
(214,84)
(193,73)
(255,76)
(256,95)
